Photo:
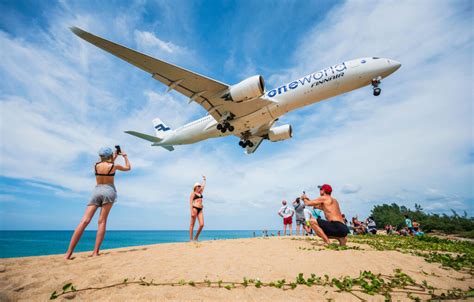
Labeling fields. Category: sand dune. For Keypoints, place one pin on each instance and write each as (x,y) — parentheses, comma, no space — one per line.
(269,259)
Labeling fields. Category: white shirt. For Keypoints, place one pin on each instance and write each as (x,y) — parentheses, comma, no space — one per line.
(286,211)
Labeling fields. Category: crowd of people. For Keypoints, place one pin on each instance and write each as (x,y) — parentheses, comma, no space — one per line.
(411,228)
(308,217)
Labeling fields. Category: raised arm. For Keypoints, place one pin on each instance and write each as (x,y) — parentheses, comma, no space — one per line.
(318,202)
(127,166)
(203,185)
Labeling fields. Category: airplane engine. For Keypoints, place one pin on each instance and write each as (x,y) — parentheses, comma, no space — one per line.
(280,133)
(247,89)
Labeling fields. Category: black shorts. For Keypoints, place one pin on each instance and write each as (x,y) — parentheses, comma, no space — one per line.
(333,228)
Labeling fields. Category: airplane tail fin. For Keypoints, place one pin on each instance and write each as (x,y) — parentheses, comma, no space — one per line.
(160,128)
(161,133)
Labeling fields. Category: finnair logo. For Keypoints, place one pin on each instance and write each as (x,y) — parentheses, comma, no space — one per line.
(317,78)
(162,127)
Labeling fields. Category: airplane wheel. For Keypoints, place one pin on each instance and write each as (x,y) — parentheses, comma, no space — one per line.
(242,144)
(250,144)
(223,130)
(377,91)
(219,126)
(226,125)
(231,128)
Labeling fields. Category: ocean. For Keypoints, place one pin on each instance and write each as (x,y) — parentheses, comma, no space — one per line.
(38,243)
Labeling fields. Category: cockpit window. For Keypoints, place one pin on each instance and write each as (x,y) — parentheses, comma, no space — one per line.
(375,58)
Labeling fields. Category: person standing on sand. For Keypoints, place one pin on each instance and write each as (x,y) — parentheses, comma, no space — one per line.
(334,226)
(409,224)
(299,206)
(104,196)
(287,213)
(196,207)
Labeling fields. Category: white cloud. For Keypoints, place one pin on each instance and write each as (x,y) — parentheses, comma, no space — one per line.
(148,42)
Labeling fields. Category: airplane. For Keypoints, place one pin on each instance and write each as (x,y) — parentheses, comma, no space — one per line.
(244,109)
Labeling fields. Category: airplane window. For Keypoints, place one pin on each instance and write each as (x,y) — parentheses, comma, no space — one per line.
(375,58)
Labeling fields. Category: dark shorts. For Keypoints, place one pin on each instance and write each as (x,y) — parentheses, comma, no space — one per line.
(300,221)
(333,228)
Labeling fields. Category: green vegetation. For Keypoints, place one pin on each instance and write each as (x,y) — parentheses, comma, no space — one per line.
(367,283)
(455,254)
(394,215)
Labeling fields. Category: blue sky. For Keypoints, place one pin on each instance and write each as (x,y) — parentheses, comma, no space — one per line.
(61,99)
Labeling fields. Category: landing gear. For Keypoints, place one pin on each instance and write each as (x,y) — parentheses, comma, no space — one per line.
(375,86)
(245,144)
(224,126)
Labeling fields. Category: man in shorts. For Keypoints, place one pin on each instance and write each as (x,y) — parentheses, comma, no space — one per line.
(287,213)
(334,226)
(299,206)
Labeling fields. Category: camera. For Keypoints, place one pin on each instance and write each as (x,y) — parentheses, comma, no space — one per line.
(119,151)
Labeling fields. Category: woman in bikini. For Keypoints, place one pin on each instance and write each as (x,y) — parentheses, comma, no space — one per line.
(103,196)
(195,205)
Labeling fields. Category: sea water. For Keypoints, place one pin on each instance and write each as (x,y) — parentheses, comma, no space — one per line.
(37,243)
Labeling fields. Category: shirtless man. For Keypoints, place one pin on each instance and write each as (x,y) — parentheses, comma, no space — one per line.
(334,226)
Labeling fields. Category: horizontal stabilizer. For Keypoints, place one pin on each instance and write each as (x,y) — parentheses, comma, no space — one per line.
(169,148)
(147,137)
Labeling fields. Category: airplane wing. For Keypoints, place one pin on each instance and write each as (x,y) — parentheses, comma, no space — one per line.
(203,90)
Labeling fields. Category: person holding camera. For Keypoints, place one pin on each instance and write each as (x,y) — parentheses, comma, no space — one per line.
(299,207)
(103,196)
(334,226)
(196,207)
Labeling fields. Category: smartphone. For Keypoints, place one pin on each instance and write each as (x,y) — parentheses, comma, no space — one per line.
(118,149)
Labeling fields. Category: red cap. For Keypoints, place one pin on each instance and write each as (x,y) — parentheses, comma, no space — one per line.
(326,188)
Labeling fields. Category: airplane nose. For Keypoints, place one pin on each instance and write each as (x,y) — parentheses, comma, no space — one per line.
(395,65)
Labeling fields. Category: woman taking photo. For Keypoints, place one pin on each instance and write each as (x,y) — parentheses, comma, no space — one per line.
(196,207)
(103,196)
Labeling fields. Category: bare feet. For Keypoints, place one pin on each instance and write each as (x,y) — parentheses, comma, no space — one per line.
(342,241)
(68,257)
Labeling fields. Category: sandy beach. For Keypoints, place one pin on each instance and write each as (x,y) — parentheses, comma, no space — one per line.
(268,259)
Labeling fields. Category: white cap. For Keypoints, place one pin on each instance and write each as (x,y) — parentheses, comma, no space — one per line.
(197,184)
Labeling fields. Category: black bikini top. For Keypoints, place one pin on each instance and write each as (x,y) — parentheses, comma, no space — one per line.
(197,197)
(100,174)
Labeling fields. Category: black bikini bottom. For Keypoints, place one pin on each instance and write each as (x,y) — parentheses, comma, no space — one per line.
(198,209)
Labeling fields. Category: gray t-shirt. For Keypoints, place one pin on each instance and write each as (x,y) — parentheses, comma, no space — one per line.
(299,209)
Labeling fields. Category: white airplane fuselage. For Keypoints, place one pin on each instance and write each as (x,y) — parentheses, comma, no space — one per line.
(312,88)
